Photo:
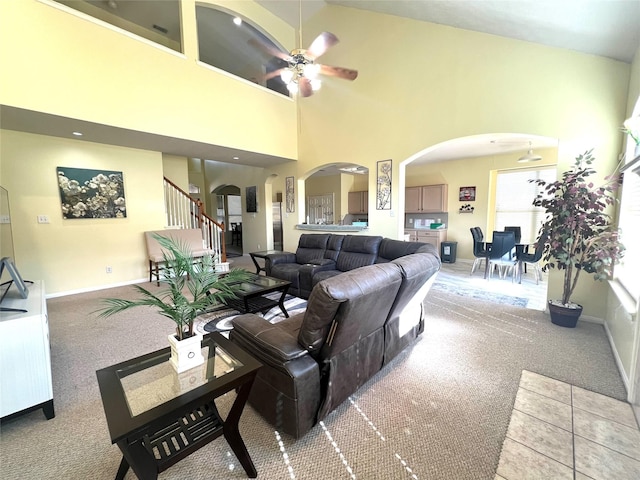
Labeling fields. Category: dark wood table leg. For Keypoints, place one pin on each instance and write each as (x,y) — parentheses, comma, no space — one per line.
(232,434)
(281,302)
(255,262)
(139,459)
(122,469)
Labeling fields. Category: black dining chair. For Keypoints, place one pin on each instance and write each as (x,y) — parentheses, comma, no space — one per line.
(502,255)
(516,231)
(480,248)
(236,233)
(533,258)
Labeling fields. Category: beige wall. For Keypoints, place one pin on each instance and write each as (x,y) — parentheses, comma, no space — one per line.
(471,83)
(72,255)
(67,65)
(176,169)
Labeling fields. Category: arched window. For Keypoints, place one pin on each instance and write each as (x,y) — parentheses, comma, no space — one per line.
(233,45)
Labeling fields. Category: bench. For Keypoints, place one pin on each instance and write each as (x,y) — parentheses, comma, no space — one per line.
(191,238)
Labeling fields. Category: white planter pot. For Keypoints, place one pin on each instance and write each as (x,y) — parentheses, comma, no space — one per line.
(187,353)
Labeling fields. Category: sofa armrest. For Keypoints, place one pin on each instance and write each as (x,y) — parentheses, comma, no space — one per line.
(275,343)
(324,262)
(283,257)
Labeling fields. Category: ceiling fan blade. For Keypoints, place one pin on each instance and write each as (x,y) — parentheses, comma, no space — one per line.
(346,73)
(304,86)
(269,50)
(321,44)
(270,75)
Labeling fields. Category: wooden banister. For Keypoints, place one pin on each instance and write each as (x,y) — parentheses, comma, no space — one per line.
(182,211)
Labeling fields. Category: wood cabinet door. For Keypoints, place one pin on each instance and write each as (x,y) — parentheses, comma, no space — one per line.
(358,202)
(434,198)
(412,199)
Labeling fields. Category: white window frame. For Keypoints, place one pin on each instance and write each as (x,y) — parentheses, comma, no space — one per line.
(510,212)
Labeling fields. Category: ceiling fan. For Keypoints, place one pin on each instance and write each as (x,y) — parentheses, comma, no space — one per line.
(301,73)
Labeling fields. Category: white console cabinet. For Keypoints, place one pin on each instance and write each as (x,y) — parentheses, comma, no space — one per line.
(25,358)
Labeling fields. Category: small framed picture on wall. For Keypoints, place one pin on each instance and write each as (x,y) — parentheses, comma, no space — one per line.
(467,194)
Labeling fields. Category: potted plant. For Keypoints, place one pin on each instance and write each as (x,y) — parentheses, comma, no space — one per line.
(580,233)
(188,287)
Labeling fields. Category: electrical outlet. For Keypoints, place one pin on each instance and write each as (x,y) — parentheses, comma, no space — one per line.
(392,213)
(410,221)
(43,218)
(109,269)
(258,246)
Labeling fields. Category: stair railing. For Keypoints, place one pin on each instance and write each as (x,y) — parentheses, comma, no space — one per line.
(182,211)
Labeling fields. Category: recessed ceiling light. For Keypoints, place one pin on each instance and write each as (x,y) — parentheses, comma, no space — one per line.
(236,158)
(237,21)
(77,134)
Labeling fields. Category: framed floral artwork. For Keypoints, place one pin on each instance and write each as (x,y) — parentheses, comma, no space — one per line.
(86,193)
(290,195)
(383,185)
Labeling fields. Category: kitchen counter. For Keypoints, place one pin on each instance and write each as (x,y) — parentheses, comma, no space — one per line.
(330,228)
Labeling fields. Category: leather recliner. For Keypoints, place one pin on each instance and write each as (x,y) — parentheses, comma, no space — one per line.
(309,255)
(313,361)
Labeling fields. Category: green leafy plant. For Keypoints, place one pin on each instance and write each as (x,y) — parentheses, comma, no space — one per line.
(581,235)
(188,287)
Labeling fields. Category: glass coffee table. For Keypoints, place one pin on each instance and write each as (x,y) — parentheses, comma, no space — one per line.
(251,295)
(158,417)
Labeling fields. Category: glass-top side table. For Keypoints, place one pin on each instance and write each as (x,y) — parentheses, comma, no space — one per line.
(148,384)
(158,417)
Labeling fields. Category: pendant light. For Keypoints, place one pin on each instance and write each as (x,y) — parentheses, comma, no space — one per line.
(530,156)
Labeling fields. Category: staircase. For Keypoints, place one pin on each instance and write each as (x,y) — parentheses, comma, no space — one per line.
(182,211)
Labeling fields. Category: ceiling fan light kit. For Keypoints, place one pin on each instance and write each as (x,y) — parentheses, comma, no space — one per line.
(301,73)
(530,156)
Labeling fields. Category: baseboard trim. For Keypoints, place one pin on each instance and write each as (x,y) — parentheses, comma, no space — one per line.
(616,357)
(96,288)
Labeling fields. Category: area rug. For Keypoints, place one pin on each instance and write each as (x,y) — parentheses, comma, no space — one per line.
(479,294)
(219,319)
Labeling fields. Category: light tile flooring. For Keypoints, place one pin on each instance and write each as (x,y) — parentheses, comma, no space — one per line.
(560,431)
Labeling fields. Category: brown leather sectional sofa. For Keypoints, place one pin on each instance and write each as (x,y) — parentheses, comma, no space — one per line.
(356,322)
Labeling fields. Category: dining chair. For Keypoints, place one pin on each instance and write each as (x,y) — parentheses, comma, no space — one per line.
(236,233)
(516,231)
(502,255)
(534,258)
(480,248)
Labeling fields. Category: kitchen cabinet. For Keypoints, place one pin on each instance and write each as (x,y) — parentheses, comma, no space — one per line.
(426,199)
(433,236)
(358,202)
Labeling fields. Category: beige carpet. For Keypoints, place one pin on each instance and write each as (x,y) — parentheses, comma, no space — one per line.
(439,411)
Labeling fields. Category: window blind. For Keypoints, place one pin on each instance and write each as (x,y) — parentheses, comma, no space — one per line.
(514,200)
(629,223)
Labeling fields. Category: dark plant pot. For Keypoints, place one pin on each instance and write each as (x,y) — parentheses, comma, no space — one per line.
(564,316)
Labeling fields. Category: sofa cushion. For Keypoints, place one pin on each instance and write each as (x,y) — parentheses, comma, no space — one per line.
(276,341)
(333,247)
(353,301)
(391,249)
(358,251)
(311,246)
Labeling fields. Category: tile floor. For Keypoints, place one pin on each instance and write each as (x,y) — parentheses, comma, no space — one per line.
(560,431)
